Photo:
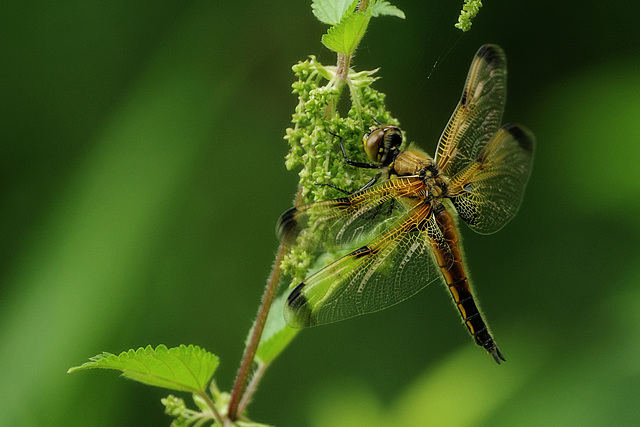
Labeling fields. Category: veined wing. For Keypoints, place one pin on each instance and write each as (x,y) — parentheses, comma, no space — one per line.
(346,221)
(487,193)
(391,268)
(478,114)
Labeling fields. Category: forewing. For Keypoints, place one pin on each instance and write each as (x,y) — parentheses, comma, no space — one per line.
(478,114)
(390,269)
(347,221)
(487,193)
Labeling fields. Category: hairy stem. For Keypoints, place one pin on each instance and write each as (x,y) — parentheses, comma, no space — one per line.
(250,351)
(252,387)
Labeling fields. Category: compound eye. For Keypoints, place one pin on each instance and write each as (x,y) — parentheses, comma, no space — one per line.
(372,144)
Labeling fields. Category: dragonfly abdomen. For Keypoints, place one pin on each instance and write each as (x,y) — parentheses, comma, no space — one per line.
(472,318)
(449,258)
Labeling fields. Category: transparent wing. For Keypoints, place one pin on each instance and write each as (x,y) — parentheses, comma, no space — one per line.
(347,221)
(394,266)
(487,193)
(478,114)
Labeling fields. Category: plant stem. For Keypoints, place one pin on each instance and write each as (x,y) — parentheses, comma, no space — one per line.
(342,67)
(252,386)
(212,407)
(250,351)
(238,400)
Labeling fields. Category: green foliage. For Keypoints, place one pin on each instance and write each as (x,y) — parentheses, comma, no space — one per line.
(469,10)
(181,368)
(382,7)
(345,37)
(348,25)
(185,417)
(184,368)
(331,11)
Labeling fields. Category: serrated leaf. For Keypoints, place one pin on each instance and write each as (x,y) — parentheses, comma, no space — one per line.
(345,37)
(331,11)
(180,368)
(383,7)
(277,334)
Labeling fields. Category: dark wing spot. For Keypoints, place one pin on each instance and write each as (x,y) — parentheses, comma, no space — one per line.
(492,54)
(287,228)
(297,311)
(524,137)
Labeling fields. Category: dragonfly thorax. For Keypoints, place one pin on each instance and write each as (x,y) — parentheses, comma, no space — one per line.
(436,184)
(414,162)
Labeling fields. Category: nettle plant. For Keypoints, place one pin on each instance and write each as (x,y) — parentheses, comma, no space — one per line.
(313,142)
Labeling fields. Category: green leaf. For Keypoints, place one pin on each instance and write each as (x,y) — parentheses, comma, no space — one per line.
(345,37)
(277,334)
(381,8)
(331,11)
(181,368)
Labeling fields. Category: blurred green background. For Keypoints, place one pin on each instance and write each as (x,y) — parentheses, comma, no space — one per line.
(142,175)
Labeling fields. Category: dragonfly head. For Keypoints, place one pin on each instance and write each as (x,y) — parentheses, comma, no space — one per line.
(382,144)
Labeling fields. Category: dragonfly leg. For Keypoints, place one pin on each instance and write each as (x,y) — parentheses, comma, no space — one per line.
(351,162)
(335,187)
(364,187)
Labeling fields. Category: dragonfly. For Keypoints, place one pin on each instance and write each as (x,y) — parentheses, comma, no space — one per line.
(400,229)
